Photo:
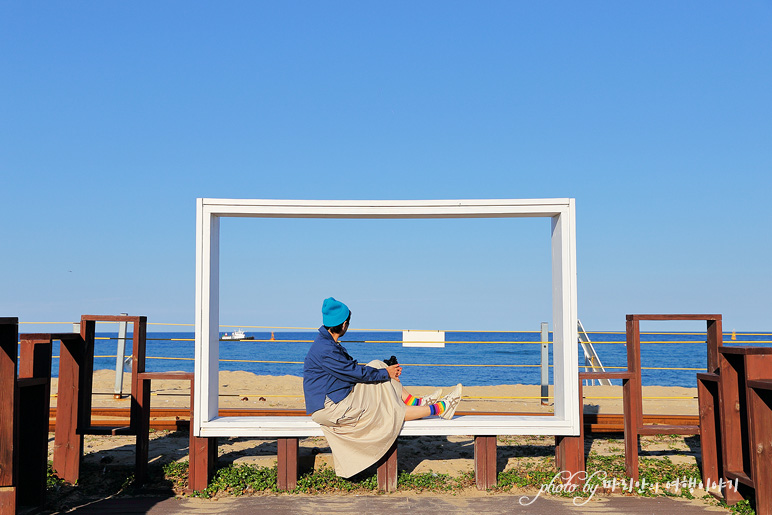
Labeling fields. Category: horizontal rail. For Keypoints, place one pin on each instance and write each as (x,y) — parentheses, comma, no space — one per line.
(462,342)
(302,328)
(278,362)
(464,397)
(178,418)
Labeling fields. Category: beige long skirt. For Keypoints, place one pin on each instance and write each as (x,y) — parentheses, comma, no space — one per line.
(362,427)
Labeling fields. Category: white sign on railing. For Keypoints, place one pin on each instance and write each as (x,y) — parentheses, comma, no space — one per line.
(423,339)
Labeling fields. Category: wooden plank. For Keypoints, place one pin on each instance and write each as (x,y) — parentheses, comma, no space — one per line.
(287,465)
(32,381)
(139,340)
(632,397)
(757,366)
(760,384)
(33,406)
(179,418)
(604,375)
(86,373)
(143,431)
(715,341)
(68,444)
(109,318)
(172,376)
(387,470)
(760,404)
(7,500)
(742,477)
(663,429)
(730,386)
(8,367)
(744,350)
(710,428)
(673,317)
(485,454)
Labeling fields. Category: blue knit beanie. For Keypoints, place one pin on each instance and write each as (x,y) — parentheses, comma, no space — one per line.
(334,312)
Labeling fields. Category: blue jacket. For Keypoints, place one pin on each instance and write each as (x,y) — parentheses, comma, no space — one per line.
(329,371)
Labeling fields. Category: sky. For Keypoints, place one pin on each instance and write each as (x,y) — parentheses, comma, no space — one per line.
(655,116)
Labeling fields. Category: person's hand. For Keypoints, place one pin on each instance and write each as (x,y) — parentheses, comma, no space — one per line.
(394,371)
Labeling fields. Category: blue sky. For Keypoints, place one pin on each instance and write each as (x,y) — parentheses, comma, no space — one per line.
(655,116)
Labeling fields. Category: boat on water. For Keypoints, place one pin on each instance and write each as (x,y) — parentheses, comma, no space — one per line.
(237,335)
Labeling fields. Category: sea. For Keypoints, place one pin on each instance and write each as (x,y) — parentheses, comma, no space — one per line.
(471,358)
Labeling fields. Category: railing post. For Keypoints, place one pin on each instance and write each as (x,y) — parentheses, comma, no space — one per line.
(545,361)
(120,358)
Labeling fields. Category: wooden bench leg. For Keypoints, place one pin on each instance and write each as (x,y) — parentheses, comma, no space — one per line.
(287,463)
(569,458)
(202,462)
(387,470)
(485,462)
(569,450)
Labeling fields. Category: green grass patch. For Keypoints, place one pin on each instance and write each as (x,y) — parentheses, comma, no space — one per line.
(52,480)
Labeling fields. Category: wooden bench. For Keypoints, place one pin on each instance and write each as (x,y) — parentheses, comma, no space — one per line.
(292,425)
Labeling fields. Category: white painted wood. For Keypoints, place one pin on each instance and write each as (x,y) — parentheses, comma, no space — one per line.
(565,354)
(278,426)
(414,338)
(200,387)
(206,368)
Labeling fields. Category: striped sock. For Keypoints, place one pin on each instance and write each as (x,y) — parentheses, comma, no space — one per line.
(439,408)
(414,401)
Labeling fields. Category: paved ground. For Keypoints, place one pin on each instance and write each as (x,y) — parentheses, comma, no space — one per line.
(394,504)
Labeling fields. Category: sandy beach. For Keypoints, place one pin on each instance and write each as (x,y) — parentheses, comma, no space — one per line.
(247,390)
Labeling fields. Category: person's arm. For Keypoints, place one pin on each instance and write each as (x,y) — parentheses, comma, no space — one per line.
(338,364)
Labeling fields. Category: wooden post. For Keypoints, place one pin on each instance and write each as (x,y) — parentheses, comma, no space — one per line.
(715,343)
(485,462)
(33,408)
(68,443)
(9,333)
(143,432)
(387,470)
(287,458)
(732,422)
(139,340)
(760,404)
(710,428)
(632,392)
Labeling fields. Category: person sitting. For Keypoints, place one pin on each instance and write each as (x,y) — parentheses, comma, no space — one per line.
(361,409)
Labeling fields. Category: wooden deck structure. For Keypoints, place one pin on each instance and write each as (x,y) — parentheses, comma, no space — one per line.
(734,423)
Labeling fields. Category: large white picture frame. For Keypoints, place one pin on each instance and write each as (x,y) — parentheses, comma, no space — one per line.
(564,421)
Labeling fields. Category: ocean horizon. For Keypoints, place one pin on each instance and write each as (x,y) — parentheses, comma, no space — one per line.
(471,358)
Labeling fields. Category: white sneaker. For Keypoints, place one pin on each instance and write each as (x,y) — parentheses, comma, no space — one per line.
(434,397)
(451,401)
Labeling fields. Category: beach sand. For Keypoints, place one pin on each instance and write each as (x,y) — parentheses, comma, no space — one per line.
(452,455)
